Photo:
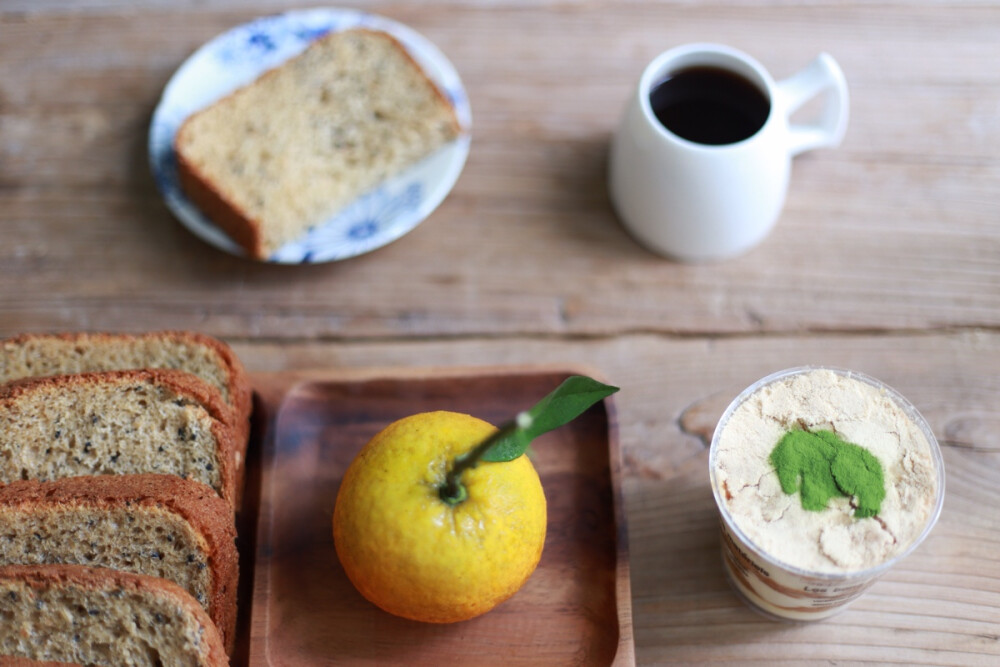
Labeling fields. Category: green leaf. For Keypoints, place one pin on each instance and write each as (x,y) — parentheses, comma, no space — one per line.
(509,447)
(566,403)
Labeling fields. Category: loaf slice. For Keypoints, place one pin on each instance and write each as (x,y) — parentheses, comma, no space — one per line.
(157,525)
(292,148)
(36,355)
(117,422)
(96,616)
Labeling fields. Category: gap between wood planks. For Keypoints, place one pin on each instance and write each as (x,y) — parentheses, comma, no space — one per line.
(943,330)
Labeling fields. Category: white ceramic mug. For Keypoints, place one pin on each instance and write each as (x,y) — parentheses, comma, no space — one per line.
(694,201)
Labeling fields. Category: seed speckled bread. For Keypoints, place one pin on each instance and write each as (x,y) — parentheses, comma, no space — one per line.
(96,616)
(36,355)
(117,422)
(287,151)
(157,525)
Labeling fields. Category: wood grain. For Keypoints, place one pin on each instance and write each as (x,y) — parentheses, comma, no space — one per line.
(940,606)
(575,608)
(886,259)
(893,231)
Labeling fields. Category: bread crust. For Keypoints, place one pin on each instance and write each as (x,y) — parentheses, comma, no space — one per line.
(42,577)
(178,382)
(240,225)
(237,223)
(210,516)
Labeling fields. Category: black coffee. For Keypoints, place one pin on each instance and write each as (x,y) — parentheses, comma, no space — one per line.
(709,105)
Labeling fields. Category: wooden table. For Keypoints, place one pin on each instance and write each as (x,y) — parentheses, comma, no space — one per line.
(886,260)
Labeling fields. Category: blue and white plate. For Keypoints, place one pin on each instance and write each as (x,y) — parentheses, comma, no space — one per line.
(237,57)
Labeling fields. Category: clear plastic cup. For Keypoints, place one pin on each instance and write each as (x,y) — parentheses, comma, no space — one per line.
(772,585)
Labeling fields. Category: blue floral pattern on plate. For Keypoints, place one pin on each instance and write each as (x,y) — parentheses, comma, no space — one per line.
(240,55)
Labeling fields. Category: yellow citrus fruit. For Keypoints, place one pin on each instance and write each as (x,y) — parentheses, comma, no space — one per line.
(414,554)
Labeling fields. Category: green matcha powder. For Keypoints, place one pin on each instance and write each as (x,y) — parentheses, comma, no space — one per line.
(821,466)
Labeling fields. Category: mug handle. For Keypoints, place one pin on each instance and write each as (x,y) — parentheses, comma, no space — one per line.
(821,75)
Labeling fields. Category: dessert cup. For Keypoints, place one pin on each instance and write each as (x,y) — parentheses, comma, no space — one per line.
(767,577)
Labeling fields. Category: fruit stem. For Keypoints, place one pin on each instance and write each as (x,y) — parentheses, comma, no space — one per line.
(452,491)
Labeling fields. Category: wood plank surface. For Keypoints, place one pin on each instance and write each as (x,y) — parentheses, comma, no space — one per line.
(894,230)
(886,260)
(939,606)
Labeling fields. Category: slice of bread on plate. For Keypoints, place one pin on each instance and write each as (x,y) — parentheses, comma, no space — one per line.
(97,616)
(156,525)
(37,355)
(117,422)
(303,140)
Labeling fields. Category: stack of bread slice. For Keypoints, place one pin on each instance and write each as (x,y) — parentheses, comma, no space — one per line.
(121,467)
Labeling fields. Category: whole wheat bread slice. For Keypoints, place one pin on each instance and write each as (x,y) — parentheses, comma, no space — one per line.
(40,355)
(156,525)
(117,422)
(96,616)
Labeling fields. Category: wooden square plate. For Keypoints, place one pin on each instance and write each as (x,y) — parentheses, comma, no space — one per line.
(575,609)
